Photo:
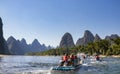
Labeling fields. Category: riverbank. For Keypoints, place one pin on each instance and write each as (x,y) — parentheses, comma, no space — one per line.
(3,55)
(103,56)
(115,56)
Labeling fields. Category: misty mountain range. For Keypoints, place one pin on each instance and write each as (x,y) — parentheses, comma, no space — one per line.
(20,47)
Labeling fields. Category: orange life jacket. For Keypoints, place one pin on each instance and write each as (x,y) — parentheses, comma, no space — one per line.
(65,58)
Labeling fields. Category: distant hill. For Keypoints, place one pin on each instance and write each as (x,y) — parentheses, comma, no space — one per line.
(18,47)
(113,36)
(88,37)
(66,41)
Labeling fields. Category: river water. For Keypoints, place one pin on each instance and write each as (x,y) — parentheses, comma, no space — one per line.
(43,65)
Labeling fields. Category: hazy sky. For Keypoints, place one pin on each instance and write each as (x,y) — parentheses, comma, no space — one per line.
(48,20)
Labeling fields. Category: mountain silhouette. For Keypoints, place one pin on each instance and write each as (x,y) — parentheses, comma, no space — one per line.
(87,38)
(67,41)
(3,44)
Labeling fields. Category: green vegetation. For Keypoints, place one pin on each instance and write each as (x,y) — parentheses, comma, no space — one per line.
(102,47)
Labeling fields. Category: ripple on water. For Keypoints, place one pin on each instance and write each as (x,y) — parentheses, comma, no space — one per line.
(42,64)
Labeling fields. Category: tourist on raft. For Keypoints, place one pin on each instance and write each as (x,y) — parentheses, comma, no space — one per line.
(67,60)
(97,58)
(64,61)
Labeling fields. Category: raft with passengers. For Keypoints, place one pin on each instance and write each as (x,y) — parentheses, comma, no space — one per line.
(68,63)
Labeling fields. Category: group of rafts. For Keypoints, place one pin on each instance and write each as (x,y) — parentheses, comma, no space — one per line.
(72,62)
